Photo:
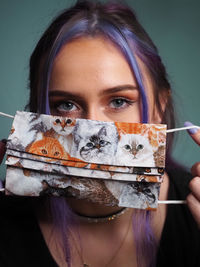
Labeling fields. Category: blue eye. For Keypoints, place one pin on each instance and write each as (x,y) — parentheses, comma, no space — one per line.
(118,102)
(66,106)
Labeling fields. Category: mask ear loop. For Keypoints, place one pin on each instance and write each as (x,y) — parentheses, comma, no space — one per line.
(6,115)
(171,131)
(182,128)
(172,202)
(167,131)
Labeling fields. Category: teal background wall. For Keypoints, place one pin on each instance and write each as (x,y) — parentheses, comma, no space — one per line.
(174,25)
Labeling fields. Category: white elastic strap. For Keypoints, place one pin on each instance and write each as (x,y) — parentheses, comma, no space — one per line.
(182,129)
(6,115)
(172,202)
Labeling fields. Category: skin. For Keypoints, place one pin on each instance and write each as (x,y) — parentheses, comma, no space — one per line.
(93,83)
(91,79)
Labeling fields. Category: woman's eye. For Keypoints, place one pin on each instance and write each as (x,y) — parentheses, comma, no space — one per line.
(66,106)
(120,103)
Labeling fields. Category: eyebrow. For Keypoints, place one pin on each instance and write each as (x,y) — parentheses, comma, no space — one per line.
(64,94)
(119,88)
(106,91)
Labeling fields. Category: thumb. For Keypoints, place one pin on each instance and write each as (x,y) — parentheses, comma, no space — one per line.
(194,132)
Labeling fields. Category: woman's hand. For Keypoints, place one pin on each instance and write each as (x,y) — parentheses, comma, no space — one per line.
(193,199)
(2,149)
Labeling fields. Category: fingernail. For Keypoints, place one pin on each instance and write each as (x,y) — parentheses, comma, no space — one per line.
(190,131)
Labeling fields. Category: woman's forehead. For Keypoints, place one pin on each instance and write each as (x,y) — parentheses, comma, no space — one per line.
(91,60)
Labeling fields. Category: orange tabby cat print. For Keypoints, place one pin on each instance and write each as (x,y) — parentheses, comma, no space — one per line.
(130,128)
(51,148)
(157,136)
(47,147)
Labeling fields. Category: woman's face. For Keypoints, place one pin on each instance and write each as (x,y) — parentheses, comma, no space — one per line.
(91,79)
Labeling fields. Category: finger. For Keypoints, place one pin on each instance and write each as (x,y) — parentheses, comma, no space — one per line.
(194,132)
(194,186)
(2,149)
(194,206)
(195,170)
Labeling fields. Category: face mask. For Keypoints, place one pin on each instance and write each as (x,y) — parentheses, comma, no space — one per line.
(110,163)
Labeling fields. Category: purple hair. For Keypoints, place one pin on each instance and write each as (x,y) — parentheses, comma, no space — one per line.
(116,23)
(105,28)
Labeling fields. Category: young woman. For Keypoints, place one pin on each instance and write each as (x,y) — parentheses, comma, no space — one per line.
(95,61)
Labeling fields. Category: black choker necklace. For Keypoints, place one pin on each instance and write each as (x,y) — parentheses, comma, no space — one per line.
(96,219)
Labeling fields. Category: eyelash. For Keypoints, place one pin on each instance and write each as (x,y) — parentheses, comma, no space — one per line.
(55,106)
(126,103)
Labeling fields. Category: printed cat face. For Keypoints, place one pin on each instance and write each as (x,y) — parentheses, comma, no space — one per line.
(135,145)
(143,191)
(96,143)
(48,147)
(134,148)
(64,126)
(61,126)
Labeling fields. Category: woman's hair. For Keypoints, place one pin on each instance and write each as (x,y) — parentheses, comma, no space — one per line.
(118,24)
(115,22)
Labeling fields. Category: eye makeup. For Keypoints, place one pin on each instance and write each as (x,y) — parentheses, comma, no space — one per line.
(118,101)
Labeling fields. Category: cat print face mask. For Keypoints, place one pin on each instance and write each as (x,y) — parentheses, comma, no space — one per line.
(111,163)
